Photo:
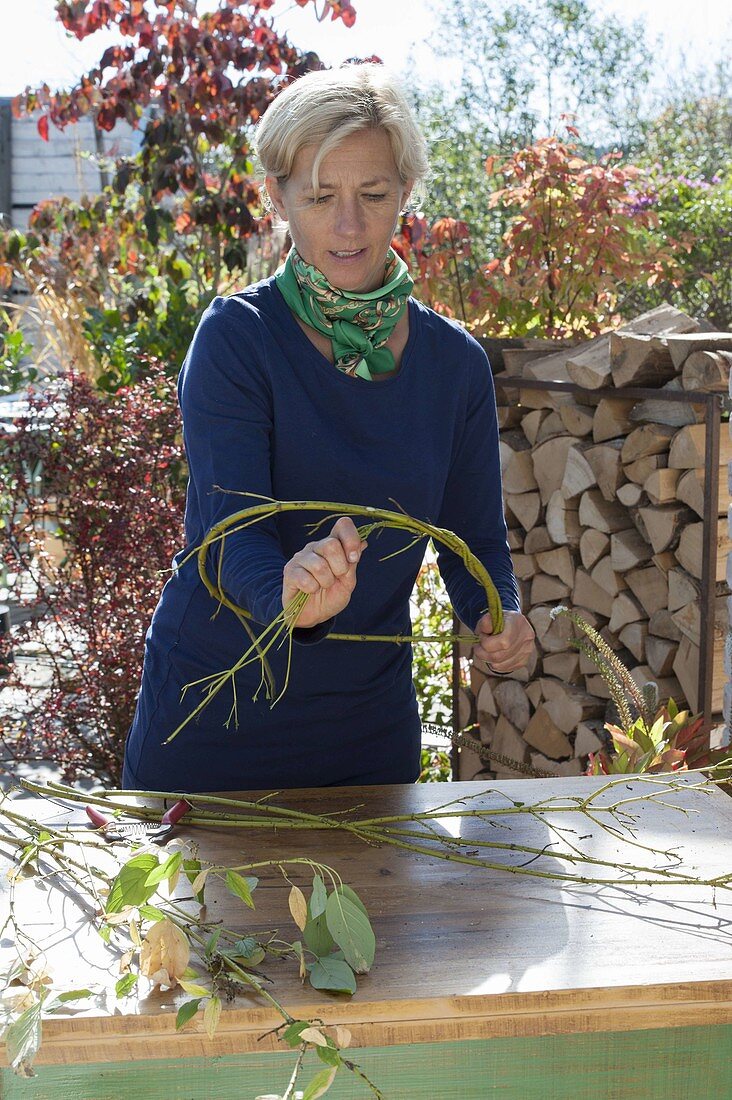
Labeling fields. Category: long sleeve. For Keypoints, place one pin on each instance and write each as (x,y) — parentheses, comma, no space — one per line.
(472,503)
(226,404)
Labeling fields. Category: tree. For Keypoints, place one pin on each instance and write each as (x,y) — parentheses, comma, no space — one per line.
(529,61)
(688,130)
(178,223)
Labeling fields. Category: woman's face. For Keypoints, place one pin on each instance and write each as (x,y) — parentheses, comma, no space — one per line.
(347,230)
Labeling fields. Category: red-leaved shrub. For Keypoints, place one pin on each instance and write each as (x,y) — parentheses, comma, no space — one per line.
(94,498)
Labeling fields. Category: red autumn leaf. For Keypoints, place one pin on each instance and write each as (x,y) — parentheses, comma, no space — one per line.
(43,127)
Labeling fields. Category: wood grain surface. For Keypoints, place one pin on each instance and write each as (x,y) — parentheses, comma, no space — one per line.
(462,952)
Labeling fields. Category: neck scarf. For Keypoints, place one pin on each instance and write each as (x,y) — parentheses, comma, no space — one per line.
(358,325)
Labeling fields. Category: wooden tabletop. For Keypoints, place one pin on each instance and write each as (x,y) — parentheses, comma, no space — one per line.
(461,952)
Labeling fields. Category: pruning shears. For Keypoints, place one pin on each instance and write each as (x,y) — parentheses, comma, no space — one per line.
(158,833)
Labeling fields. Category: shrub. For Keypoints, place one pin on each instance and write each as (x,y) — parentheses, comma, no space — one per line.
(699,211)
(576,237)
(105,478)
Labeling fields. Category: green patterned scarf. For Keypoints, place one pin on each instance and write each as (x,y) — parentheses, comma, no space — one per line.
(358,325)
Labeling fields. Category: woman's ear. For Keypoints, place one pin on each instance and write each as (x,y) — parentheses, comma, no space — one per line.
(274,190)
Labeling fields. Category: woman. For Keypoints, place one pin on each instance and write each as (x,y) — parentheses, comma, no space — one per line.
(388,402)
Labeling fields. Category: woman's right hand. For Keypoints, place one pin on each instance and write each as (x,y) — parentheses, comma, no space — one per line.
(326,570)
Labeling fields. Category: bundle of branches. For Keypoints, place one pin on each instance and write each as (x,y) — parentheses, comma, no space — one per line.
(280,630)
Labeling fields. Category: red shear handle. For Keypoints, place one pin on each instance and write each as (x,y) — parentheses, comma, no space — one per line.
(96,817)
(175,813)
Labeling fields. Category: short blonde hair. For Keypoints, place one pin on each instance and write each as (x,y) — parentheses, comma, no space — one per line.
(324,107)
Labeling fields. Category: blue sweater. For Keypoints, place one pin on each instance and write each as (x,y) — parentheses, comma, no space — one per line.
(264,411)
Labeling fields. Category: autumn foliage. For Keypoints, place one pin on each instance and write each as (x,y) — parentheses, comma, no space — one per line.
(578,232)
(182,219)
(197,82)
(435,255)
(94,494)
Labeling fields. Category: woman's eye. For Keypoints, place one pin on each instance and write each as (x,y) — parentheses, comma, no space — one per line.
(376,198)
(321,200)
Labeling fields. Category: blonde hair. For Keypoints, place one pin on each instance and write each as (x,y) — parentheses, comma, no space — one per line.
(324,107)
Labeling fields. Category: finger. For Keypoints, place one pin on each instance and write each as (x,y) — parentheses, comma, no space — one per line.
(299,579)
(485,624)
(504,661)
(333,551)
(346,532)
(507,664)
(309,571)
(496,649)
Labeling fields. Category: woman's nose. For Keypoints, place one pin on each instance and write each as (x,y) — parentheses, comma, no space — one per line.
(349,218)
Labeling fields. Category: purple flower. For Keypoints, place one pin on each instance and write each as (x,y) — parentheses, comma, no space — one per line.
(642,203)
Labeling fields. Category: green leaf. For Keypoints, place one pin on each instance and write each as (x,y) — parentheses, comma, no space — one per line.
(63,998)
(293,1032)
(125,985)
(241,886)
(351,894)
(351,929)
(194,988)
(318,898)
(131,887)
(242,949)
(319,1085)
(212,941)
(106,932)
(164,870)
(329,1055)
(23,1038)
(247,952)
(317,937)
(151,912)
(191,869)
(332,974)
(186,1012)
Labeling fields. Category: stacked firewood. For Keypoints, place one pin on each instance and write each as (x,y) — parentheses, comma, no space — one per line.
(604,497)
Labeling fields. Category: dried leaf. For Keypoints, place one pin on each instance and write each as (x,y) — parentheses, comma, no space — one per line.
(165,950)
(314,1035)
(342,1037)
(125,960)
(211,1016)
(298,907)
(200,880)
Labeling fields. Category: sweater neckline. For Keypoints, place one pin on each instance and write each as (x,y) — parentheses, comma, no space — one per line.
(325,364)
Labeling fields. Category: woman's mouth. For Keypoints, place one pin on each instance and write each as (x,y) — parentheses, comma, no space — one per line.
(350,254)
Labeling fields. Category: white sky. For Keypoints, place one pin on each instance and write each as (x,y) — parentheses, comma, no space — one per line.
(34,47)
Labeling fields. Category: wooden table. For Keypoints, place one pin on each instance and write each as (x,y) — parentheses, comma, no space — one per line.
(485,982)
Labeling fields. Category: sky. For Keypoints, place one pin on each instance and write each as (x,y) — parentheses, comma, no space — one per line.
(35,48)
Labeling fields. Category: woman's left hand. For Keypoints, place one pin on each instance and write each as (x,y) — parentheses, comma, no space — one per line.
(509,650)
